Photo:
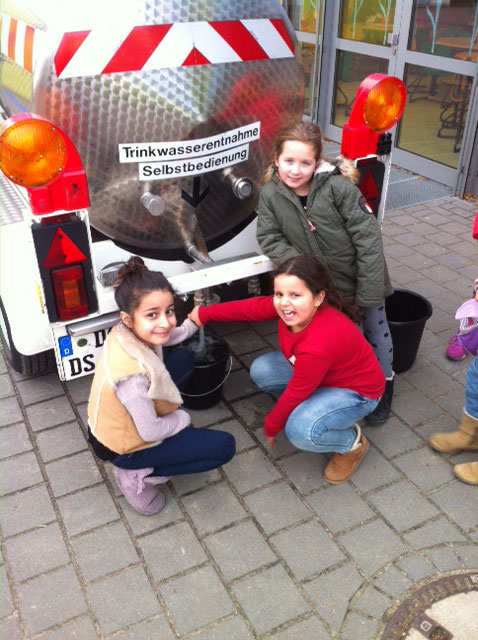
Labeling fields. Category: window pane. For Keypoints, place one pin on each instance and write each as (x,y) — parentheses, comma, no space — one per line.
(445,29)
(303,14)
(435,115)
(351,69)
(370,21)
(308,53)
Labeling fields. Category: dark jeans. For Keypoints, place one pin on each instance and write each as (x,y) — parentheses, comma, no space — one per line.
(180,364)
(189,451)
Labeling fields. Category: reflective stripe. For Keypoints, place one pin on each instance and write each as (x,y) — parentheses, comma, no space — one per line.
(17,40)
(145,48)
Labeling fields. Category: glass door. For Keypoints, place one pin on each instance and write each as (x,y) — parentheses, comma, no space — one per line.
(432,45)
(362,36)
(437,59)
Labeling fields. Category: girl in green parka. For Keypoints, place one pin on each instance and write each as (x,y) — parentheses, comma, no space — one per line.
(310,205)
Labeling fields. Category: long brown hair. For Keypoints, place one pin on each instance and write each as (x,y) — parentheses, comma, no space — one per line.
(134,281)
(306,132)
(316,277)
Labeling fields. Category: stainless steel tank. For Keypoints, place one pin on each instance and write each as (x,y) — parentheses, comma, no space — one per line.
(143,73)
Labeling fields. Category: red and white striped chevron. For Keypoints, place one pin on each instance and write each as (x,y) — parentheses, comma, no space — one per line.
(144,48)
(17,41)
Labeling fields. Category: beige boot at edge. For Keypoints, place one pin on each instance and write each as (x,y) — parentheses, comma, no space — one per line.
(467,472)
(465,439)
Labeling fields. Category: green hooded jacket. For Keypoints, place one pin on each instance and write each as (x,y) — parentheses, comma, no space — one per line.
(336,228)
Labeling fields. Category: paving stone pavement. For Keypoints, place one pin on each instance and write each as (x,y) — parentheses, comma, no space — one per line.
(264,547)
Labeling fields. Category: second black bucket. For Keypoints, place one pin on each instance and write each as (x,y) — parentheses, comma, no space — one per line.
(407,313)
(211,371)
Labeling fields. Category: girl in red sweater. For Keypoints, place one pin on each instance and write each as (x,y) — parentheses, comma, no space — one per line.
(326,375)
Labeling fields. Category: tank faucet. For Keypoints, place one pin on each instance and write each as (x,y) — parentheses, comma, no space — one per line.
(194,252)
(242,187)
(154,204)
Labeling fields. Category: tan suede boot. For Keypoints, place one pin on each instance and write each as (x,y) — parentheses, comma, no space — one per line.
(343,465)
(466,438)
(468,472)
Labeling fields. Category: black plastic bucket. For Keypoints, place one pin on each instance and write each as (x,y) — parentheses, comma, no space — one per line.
(204,389)
(407,313)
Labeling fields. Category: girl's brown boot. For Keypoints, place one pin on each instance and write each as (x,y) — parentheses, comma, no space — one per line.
(465,439)
(343,465)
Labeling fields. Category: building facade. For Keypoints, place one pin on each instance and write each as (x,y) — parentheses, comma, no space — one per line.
(432,45)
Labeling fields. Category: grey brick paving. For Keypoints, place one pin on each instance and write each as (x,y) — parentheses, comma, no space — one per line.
(276,507)
(239,550)
(278,588)
(158,628)
(263,548)
(20,472)
(431,533)
(196,600)
(50,599)
(403,506)
(331,594)
(311,629)
(372,545)
(111,543)
(171,551)
(307,549)
(123,599)
(82,629)
(353,510)
(60,441)
(73,473)
(37,551)
(15,439)
(250,470)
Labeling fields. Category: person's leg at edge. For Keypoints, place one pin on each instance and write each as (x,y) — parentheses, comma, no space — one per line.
(377,332)
(468,471)
(326,422)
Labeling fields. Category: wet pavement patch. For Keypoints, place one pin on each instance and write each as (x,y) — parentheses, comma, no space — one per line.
(445,609)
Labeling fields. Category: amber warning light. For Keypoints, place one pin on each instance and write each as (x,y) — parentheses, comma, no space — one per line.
(37,155)
(378,106)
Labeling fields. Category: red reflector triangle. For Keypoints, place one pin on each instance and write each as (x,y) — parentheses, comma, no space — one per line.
(62,251)
(195,57)
(368,186)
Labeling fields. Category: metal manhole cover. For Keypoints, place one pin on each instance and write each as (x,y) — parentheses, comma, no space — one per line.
(446,609)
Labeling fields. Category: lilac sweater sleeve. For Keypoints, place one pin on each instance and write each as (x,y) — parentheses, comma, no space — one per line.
(185,331)
(132,392)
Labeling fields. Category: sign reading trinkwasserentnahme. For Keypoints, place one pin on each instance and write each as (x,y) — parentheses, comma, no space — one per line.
(161,160)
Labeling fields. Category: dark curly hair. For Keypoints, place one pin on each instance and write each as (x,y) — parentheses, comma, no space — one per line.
(317,278)
(134,281)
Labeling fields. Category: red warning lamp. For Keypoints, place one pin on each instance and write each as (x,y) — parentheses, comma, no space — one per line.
(70,292)
(378,106)
(40,157)
(66,269)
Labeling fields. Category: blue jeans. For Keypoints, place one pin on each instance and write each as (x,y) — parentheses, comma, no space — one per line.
(471,396)
(189,451)
(325,420)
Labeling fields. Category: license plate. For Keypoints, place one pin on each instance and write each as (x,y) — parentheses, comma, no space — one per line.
(79,355)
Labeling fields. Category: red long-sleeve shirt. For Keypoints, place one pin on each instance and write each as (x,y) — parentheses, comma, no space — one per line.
(330,352)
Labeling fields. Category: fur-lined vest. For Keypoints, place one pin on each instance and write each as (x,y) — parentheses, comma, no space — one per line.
(124,355)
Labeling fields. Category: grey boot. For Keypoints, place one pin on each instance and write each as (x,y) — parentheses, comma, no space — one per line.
(139,491)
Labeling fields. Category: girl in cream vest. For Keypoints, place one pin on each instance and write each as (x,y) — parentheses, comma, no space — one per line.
(133,412)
